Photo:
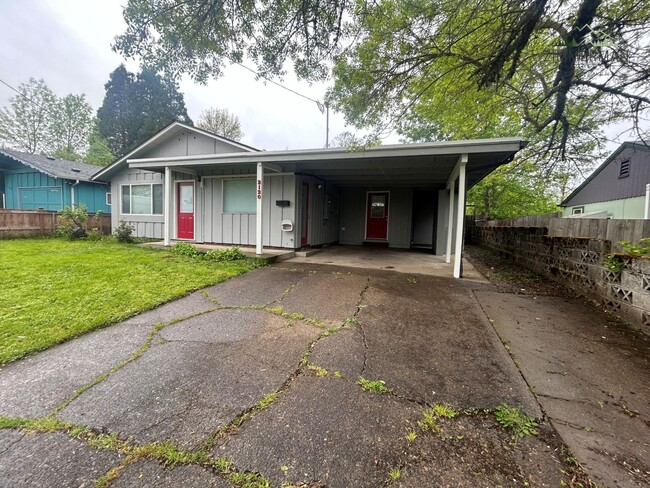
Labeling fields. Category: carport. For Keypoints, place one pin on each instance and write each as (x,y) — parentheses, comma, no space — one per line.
(388,195)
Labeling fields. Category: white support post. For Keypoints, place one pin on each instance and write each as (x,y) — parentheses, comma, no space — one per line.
(460,216)
(450,219)
(167,200)
(646,213)
(259,249)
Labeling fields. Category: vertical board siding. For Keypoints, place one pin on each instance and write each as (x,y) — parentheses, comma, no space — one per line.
(133,176)
(240,229)
(400,218)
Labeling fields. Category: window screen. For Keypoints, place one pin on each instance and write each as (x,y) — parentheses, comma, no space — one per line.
(239,196)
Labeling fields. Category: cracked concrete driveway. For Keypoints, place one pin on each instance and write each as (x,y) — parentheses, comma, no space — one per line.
(255,382)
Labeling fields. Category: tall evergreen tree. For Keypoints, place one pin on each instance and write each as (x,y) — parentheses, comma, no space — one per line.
(115,116)
(136,107)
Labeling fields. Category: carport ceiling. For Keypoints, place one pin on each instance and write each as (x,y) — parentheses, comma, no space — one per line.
(426,165)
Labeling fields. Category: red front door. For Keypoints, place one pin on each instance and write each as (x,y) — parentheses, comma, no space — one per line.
(304,237)
(185,210)
(377,216)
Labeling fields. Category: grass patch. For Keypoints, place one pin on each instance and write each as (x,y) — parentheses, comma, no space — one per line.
(375,386)
(56,289)
(514,420)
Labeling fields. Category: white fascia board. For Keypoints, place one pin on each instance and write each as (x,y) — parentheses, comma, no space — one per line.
(394,151)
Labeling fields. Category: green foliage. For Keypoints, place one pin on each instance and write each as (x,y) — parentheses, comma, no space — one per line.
(40,122)
(85,285)
(514,420)
(613,263)
(512,191)
(185,249)
(221,122)
(233,253)
(124,232)
(26,124)
(411,436)
(428,422)
(71,224)
(98,152)
(136,107)
(639,250)
(375,386)
(444,410)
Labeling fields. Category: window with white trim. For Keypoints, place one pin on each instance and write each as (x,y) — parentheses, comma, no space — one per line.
(109,197)
(239,196)
(577,210)
(142,199)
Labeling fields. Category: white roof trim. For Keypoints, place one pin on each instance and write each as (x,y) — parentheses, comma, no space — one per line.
(304,155)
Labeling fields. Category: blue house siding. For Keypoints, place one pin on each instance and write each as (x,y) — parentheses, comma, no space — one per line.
(29,190)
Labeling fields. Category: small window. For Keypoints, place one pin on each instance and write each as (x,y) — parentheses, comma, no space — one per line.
(239,196)
(108,198)
(142,199)
(577,210)
(624,170)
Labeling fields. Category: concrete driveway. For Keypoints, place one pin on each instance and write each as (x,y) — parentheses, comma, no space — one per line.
(255,382)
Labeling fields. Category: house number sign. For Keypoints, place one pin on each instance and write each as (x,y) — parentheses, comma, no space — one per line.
(259,189)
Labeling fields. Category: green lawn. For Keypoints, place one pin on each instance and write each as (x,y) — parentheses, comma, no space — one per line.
(53,290)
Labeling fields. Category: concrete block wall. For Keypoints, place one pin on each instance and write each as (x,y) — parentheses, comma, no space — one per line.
(576,263)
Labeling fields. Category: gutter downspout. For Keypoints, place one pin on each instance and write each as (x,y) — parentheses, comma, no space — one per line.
(72,194)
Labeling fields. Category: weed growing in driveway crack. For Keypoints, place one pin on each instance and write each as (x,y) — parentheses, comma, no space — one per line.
(443,410)
(321,372)
(350,320)
(428,421)
(375,386)
(513,419)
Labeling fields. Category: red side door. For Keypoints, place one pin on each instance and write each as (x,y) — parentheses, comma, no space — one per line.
(377,216)
(185,210)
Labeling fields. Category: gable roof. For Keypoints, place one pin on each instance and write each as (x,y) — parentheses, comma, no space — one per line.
(167,131)
(612,157)
(54,167)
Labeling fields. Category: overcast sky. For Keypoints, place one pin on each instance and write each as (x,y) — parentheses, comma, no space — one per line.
(67,43)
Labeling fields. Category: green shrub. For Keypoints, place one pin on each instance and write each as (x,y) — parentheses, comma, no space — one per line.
(94,234)
(185,249)
(71,224)
(637,250)
(124,232)
(613,262)
(231,254)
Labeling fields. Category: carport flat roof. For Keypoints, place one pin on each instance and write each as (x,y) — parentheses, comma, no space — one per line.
(414,165)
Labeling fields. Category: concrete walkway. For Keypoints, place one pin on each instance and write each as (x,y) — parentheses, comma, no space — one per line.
(255,382)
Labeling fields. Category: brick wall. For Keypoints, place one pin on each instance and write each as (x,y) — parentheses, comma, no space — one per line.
(576,263)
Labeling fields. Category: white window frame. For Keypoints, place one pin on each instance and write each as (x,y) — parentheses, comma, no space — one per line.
(578,210)
(109,198)
(150,214)
(223,196)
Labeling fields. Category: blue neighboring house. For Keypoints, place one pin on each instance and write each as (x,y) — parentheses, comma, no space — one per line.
(31,181)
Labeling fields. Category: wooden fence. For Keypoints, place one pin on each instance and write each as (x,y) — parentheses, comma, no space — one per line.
(614,230)
(26,223)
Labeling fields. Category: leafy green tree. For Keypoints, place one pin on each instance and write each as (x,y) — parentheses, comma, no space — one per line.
(27,124)
(137,107)
(220,121)
(71,127)
(98,152)
(511,191)
(555,58)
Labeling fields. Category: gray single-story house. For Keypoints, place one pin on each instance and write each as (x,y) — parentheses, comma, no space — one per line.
(617,189)
(186,184)
(31,181)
